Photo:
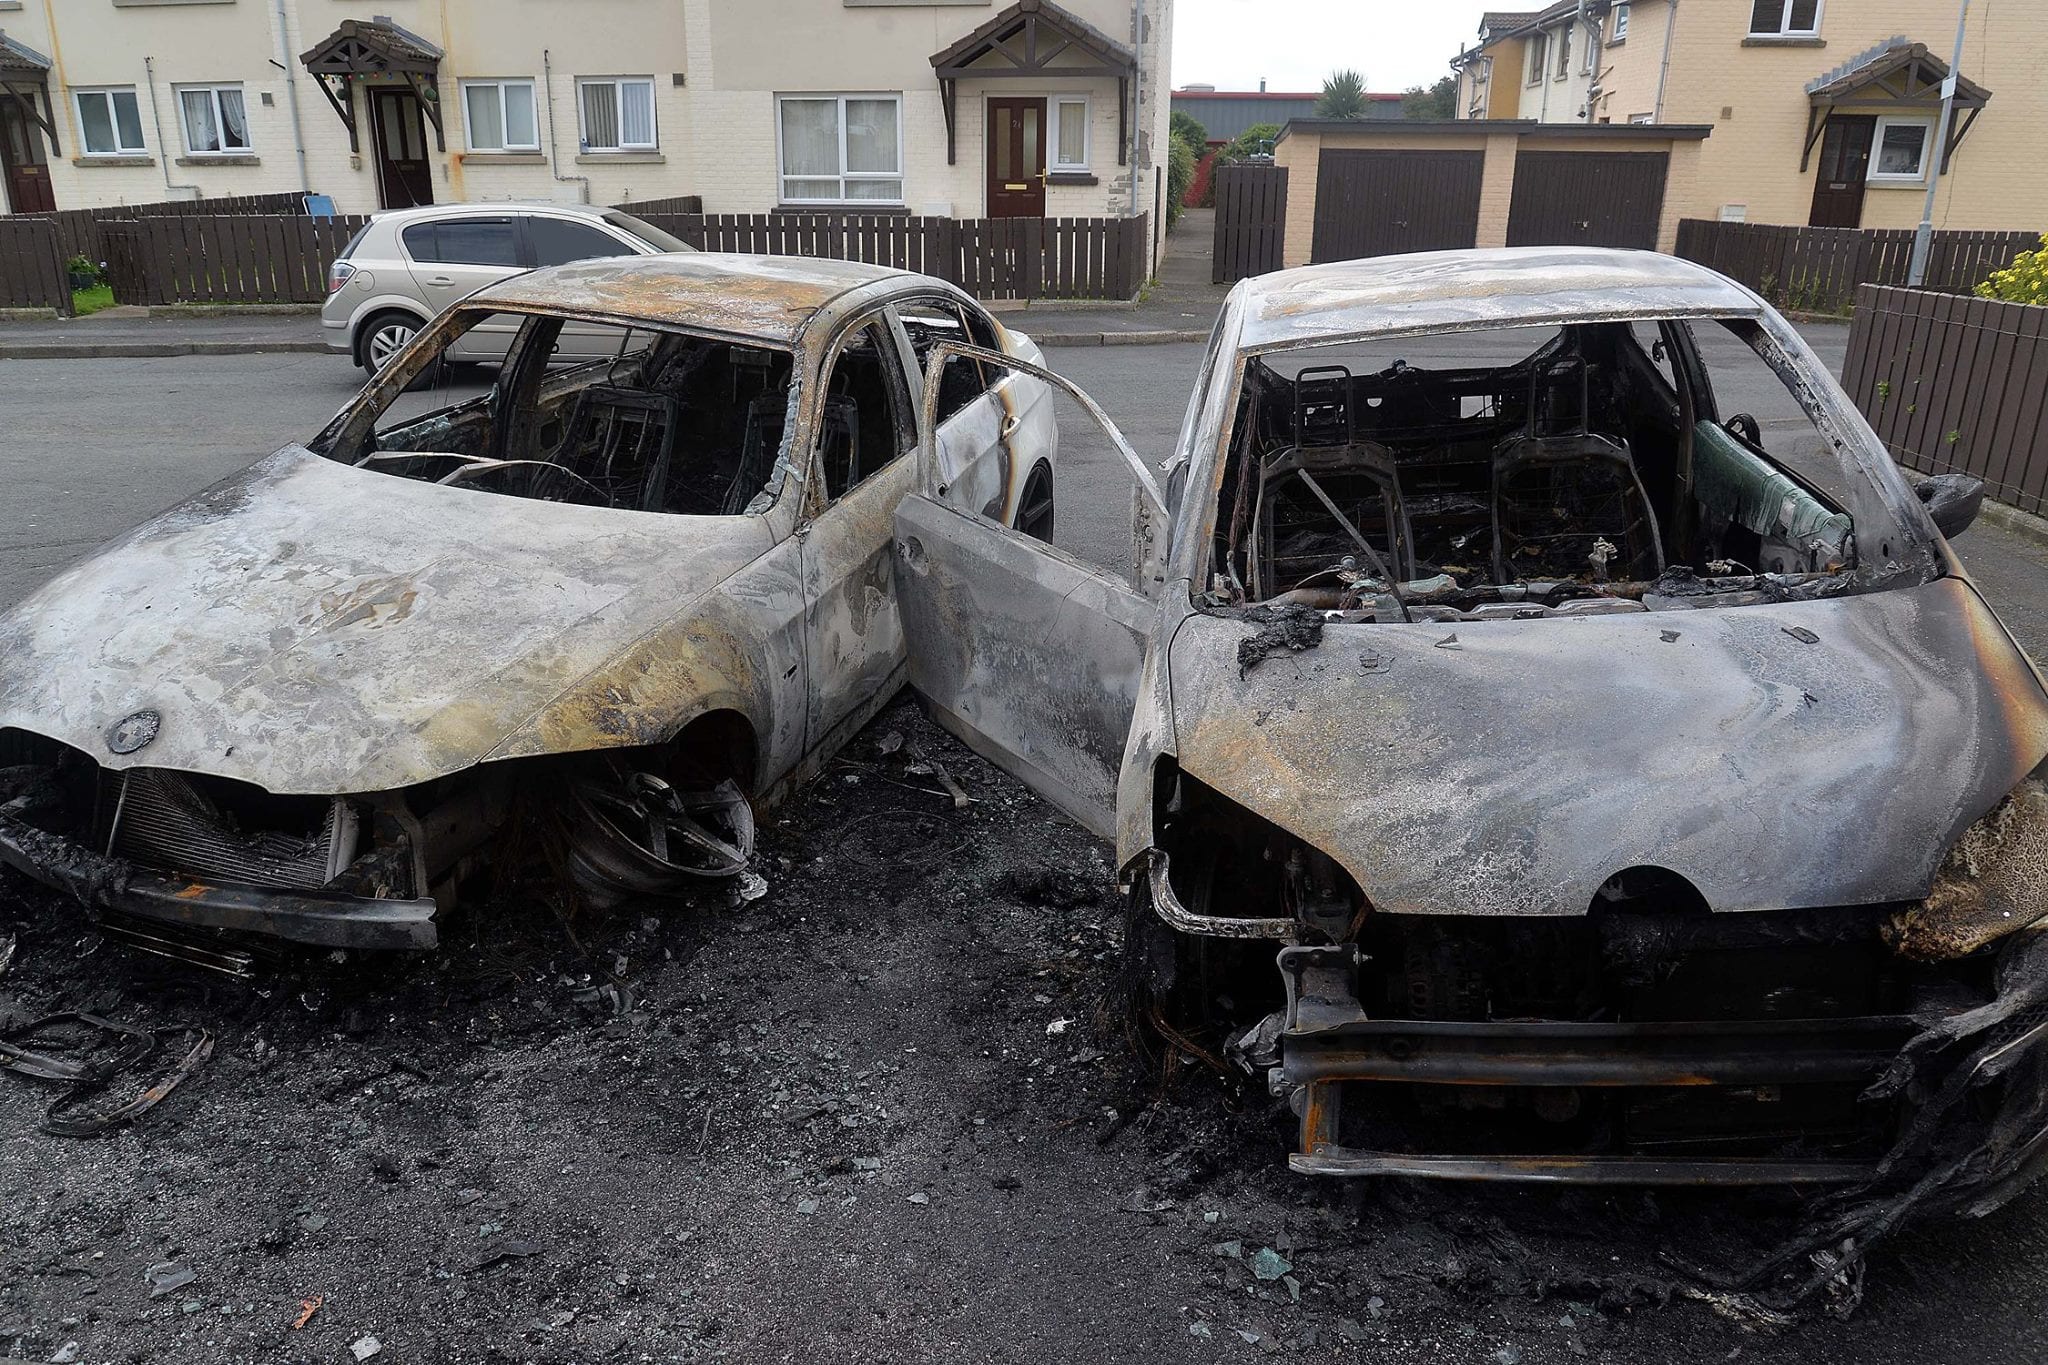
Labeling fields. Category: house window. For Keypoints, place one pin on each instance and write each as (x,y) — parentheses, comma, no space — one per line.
(839,149)
(1899,153)
(1070,135)
(1538,45)
(1620,24)
(1564,52)
(216,121)
(1785,18)
(110,122)
(618,114)
(499,116)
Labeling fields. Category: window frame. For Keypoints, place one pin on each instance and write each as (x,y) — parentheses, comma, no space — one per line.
(783,177)
(908,409)
(530,246)
(1536,61)
(1087,162)
(1620,22)
(1925,123)
(499,84)
(213,89)
(1564,53)
(1784,20)
(618,85)
(79,93)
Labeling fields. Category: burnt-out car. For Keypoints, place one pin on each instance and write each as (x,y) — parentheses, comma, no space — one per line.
(593,615)
(1549,734)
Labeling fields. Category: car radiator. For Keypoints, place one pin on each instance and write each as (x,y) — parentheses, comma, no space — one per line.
(161,819)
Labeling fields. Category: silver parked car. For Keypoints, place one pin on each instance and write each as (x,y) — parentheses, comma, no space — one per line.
(408,265)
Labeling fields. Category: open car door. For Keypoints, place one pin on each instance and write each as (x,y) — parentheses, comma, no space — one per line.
(1030,656)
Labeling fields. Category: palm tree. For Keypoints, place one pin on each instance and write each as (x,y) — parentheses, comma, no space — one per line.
(1343,96)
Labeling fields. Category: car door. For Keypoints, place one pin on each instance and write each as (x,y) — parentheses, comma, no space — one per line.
(555,240)
(970,417)
(1030,656)
(452,258)
(863,461)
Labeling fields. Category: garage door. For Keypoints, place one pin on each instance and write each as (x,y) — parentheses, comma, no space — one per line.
(1384,203)
(1587,199)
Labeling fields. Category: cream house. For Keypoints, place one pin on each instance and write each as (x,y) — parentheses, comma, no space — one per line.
(961,108)
(1823,111)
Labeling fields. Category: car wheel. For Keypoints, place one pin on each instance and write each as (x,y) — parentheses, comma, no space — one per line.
(383,337)
(1035,508)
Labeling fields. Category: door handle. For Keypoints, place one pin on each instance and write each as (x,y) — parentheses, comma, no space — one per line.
(1010,425)
(441,280)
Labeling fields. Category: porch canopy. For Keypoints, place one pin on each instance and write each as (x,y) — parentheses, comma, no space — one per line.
(376,47)
(24,71)
(1896,70)
(1037,40)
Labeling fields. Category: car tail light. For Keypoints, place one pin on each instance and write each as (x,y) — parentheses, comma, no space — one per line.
(338,275)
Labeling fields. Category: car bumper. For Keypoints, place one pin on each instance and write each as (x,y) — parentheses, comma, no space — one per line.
(335,333)
(112,884)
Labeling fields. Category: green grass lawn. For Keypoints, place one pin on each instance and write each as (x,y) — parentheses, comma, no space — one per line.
(86,301)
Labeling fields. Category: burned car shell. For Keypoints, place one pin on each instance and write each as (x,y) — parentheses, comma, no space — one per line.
(316,629)
(1802,773)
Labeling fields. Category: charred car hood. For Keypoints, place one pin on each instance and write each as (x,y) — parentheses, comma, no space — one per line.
(316,628)
(1777,757)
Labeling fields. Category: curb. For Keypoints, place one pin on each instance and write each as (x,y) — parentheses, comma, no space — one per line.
(1118,338)
(2010,519)
(120,350)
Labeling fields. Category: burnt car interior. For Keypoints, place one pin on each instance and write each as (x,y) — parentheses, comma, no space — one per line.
(660,421)
(1594,475)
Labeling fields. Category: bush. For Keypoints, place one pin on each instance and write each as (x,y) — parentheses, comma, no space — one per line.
(1256,140)
(81,267)
(1189,129)
(2024,281)
(1180,173)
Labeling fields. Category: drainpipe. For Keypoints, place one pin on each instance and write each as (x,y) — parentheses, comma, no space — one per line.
(163,148)
(1137,99)
(547,77)
(1923,236)
(1664,74)
(291,95)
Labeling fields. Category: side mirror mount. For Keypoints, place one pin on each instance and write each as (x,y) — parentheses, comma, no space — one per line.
(1952,500)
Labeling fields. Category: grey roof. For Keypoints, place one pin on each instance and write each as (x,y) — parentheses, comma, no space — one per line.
(1462,290)
(17,56)
(767,297)
(1874,64)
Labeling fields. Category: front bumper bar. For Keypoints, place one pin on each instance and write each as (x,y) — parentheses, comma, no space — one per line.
(311,917)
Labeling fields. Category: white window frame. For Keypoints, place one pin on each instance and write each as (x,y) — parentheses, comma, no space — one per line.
(1620,24)
(782,175)
(213,89)
(1928,152)
(1564,54)
(498,84)
(1053,163)
(1591,35)
(1536,61)
(107,92)
(618,84)
(1785,18)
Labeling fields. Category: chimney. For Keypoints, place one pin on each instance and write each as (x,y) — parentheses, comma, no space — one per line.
(1262,85)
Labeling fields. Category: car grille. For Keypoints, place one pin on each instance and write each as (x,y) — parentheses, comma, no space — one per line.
(162,819)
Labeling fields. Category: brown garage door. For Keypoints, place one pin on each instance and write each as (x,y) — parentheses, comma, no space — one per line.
(1587,199)
(1384,203)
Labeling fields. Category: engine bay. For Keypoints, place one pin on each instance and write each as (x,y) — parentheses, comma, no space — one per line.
(1591,477)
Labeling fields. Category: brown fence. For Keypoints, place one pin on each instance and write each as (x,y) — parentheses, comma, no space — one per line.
(681,203)
(235,258)
(1820,269)
(991,258)
(31,265)
(1251,221)
(1956,384)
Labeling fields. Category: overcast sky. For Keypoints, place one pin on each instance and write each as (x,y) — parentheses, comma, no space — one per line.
(1294,44)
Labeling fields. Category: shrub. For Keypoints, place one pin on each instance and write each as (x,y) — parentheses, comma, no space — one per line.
(1189,129)
(1256,140)
(1180,173)
(84,268)
(2024,281)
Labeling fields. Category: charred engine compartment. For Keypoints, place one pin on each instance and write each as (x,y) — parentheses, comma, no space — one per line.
(221,857)
(1580,480)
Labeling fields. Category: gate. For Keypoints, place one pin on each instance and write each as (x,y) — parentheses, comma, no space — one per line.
(1588,199)
(1251,221)
(1379,203)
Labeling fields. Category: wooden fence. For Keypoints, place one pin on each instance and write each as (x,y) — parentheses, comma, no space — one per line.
(1251,221)
(31,265)
(1820,269)
(236,258)
(1954,384)
(681,203)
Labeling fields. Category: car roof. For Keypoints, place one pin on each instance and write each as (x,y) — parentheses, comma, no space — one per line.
(1463,290)
(498,207)
(766,297)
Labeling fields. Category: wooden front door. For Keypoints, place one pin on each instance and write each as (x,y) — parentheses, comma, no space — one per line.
(1844,167)
(1016,158)
(22,162)
(405,178)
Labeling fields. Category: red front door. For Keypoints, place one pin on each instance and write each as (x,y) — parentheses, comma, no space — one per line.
(1016,158)
(21,159)
(1844,167)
